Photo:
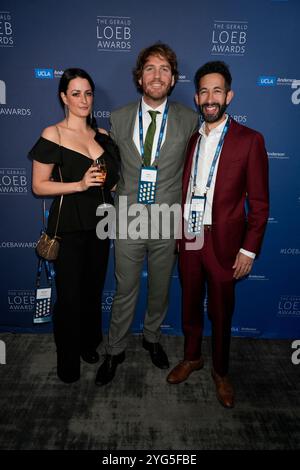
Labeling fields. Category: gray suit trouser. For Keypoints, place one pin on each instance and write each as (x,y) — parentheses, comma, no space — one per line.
(129,259)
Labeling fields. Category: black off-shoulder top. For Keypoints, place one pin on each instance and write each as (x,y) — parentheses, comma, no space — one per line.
(79,209)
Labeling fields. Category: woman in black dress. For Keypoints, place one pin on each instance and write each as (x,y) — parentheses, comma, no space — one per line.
(74,144)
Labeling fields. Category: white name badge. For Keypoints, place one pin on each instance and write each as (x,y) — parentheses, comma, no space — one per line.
(43,309)
(196,214)
(147,185)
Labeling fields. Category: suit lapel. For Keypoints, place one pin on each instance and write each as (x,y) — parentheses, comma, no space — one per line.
(188,164)
(225,157)
(172,128)
(130,120)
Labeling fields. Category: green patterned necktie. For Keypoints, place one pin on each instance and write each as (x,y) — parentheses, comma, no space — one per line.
(149,138)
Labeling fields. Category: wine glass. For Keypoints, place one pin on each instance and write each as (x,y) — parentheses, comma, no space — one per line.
(100,164)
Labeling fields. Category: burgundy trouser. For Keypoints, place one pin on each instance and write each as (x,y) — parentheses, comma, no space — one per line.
(199,270)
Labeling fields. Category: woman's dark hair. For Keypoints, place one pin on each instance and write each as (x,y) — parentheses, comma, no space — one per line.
(157,49)
(67,76)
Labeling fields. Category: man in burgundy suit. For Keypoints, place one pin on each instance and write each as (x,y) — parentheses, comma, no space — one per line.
(226,166)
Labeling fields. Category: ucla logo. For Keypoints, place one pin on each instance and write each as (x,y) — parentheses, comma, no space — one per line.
(235,329)
(266,81)
(43,73)
(2,92)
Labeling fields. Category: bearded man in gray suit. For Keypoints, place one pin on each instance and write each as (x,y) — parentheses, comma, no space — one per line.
(152,136)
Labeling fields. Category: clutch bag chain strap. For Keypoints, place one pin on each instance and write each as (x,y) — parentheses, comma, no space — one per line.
(61,197)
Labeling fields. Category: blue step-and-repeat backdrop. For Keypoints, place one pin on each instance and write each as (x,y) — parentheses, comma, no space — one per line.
(259,39)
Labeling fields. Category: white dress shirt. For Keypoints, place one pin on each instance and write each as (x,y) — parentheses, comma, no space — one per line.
(208,145)
(146,123)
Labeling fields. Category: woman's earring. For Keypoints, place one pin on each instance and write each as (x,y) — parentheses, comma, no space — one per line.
(91,118)
(66,111)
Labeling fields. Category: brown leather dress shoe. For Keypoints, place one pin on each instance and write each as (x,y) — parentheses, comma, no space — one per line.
(224,390)
(182,371)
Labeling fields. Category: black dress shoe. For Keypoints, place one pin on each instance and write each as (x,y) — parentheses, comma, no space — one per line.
(157,354)
(107,370)
(90,356)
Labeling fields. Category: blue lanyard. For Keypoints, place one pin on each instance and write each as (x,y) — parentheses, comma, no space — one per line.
(161,132)
(50,273)
(216,156)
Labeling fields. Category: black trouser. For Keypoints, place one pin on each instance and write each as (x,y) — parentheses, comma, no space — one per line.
(80,274)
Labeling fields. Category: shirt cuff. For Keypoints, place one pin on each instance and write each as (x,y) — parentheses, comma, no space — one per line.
(248,253)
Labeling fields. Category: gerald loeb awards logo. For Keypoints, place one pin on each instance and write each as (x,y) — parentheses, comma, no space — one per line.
(114,33)
(8,110)
(289,306)
(229,37)
(21,300)
(6,30)
(108,297)
(13,181)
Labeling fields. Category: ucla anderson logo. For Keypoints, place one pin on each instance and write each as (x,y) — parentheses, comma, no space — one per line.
(43,73)
(266,81)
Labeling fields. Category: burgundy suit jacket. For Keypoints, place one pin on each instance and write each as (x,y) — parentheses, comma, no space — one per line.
(242,175)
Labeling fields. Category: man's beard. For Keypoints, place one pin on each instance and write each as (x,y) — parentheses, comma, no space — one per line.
(156,95)
(212,117)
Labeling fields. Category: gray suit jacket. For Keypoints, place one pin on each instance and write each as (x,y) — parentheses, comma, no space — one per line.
(181,124)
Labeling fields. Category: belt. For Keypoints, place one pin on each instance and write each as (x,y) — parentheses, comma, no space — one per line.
(207,227)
